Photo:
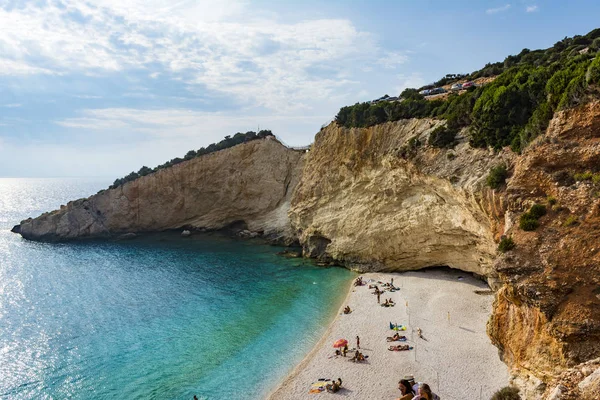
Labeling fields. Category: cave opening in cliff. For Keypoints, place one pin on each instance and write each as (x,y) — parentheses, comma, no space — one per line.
(452,274)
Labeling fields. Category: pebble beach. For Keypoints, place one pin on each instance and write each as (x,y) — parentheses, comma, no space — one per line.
(454,355)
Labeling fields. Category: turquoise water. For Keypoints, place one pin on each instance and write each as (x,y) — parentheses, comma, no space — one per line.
(160,317)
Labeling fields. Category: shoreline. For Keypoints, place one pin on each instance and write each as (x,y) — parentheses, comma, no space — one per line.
(457,358)
(320,344)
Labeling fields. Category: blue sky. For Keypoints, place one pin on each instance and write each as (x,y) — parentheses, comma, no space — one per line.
(100,88)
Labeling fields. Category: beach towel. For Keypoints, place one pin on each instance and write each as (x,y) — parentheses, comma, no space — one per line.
(397,327)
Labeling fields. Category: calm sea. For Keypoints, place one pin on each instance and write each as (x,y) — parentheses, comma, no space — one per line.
(159,317)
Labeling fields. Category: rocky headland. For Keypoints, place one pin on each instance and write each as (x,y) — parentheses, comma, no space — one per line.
(248,186)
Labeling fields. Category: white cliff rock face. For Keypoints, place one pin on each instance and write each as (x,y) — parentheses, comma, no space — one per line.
(251,182)
(363,202)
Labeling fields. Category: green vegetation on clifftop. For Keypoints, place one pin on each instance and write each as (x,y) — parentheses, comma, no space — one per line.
(509,111)
(223,144)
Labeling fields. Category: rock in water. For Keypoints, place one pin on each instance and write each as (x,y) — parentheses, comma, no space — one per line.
(16,229)
(186,233)
(127,236)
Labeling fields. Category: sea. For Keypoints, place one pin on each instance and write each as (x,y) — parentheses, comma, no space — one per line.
(156,317)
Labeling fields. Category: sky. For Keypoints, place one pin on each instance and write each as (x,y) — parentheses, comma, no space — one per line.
(100,88)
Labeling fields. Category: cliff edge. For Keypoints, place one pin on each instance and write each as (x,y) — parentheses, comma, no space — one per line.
(249,185)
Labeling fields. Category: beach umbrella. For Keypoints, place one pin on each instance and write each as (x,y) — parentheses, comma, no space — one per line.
(340,343)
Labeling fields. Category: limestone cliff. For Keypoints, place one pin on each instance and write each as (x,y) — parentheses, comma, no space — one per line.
(250,183)
(379,199)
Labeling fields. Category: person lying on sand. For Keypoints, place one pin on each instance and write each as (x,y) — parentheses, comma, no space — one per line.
(347,310)
(396,338)
(400,347)
(388,303)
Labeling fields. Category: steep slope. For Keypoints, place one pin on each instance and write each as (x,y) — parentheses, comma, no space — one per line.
(250,183)
(373,199)
(547,315)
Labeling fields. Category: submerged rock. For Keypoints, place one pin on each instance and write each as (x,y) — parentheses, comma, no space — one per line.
(127,236)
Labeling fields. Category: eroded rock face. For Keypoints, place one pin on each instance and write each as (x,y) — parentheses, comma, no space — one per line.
(364,202)
(371,201)
(547,316)
(251,183)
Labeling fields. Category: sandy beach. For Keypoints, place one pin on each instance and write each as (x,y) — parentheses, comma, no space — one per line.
(455,356)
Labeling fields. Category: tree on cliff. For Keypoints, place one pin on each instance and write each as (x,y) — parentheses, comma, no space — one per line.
(512,109)
(227,142)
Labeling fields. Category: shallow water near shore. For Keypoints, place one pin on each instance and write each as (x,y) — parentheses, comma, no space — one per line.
(159,317)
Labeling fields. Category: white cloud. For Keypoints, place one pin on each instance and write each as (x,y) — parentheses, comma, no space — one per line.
(186,124)
(531,9)
(12,105)
(16,67)
(498,9)
(414,81)
(393,59)
(226,47)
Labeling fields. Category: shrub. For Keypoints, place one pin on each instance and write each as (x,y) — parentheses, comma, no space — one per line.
(506,244)
(551,200)
(537,211)
(497,176)
(596,179)
(529,220)
(584,176)
(442,137)
(592,76)
(571,220)
(507,393)
(527,223)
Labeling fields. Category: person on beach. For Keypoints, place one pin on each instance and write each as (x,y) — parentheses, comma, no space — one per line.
(345,351)
(357,342)
(400,347)
(406,389)
(425,393)
(334,386)
(347,310)
(395,338)
(378,296)
(411,380)
(392,282)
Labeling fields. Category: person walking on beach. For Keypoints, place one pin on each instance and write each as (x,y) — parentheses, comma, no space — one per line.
(345,350)
(378,296)
(357,342)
